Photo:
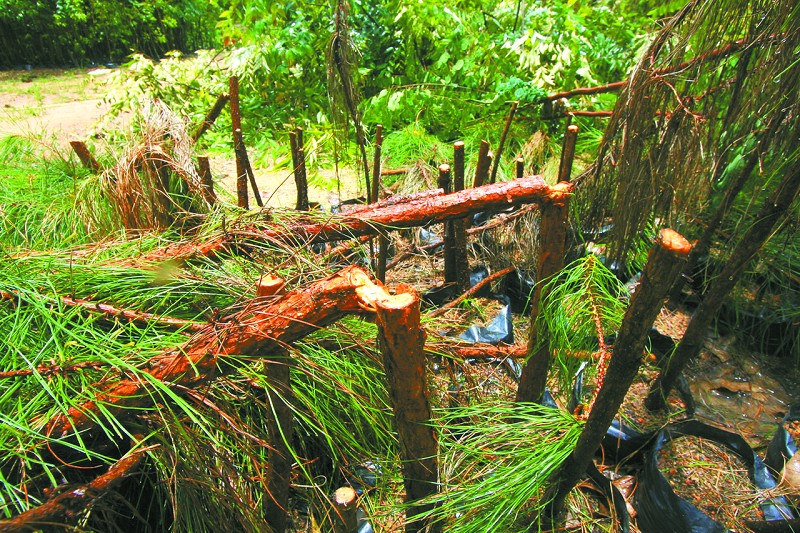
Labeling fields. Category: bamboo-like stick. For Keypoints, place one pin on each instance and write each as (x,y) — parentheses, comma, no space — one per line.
(211,117)
(401,340)
(86,157)
(498,154)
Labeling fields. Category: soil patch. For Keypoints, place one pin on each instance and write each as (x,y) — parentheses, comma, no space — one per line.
(59,104)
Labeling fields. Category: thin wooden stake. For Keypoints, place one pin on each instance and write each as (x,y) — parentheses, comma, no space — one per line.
(402,342)
(236,113)
(243,200)
(459,229)
(299,166)
(502,143)
(482,168)
(568,153)
(450,266)
(376,165)
(520,168)
(244,171)
(86,157)
(345,501)
(206,180)
(383,238)
(211,117)
(667,259)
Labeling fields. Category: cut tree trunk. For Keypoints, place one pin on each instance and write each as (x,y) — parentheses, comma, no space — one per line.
(278,422)
(552,241)
(401,340)
(279,429)
(568,153)
(667,259)
(345,501)
(773,212)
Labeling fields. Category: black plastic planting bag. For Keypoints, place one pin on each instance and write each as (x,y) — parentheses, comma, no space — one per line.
(782,447)
(660,510)
(612,494)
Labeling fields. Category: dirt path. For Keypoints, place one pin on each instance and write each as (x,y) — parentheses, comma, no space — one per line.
(53,104)
(62,105)
(62,122)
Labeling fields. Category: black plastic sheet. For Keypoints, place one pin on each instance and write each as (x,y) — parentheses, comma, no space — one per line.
(660,510)
(782,447)
(499,330)
(518,286)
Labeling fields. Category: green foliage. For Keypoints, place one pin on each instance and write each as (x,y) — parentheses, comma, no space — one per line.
(78,32)
(582,303)
(47,202)
(497,461)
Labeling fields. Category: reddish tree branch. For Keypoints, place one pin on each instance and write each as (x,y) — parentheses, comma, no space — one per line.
(111,311)
(71,502)
(427,208)
(717,53)
(260,328)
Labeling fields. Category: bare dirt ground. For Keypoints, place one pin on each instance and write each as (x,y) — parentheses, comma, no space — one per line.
(56,104)
(61,105)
